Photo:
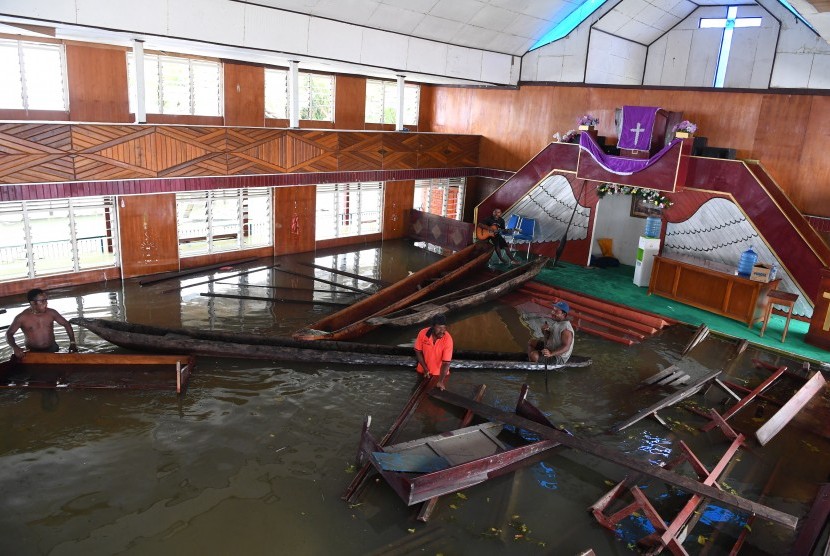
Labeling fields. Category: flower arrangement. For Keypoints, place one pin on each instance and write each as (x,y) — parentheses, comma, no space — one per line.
(587,119)
(685,126)
(649,195)
(570,136)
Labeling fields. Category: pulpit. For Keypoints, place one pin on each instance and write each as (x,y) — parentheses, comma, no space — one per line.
(642,130)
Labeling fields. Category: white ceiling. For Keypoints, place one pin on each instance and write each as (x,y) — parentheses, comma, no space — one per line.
(429,41)
(511,26)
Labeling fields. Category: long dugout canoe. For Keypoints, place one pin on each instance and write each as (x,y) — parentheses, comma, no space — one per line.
(225,344)
(351,322)
(467,297)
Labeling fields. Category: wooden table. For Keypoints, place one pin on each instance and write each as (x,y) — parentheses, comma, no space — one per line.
(710,286)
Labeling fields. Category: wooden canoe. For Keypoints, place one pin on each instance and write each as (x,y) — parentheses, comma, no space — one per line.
(422,469)
(351,321)
(467,297)
(97,370)
(227,344)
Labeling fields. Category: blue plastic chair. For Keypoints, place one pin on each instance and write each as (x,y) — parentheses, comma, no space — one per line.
(527,227)
(513,223)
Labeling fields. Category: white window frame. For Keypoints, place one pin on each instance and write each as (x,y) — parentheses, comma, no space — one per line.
(245,197)
(424,190)
(386,86)
(32,252)
(305,93)
(357,210)
(21,45)
(160,59)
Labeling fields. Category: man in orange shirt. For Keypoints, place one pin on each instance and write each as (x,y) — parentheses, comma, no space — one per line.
(433,350)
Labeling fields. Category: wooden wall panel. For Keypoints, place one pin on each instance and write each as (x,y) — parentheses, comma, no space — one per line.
(55,153)
(397,205)
(244,94)
(787,133)
(60,280)
(310,151)
(97,79)
(149,240)
(350,102)
(810,190)
(400,151)
(200,261)
(31,153)
(295,217)
(360,151)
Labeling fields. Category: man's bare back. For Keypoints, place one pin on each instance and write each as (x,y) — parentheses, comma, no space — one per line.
(38,326)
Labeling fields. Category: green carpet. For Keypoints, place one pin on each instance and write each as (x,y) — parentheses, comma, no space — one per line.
(615,284)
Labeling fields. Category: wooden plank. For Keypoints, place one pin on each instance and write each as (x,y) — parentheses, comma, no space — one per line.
(349,274)
(358,290)
(748,398)
(289,288)
(248,271)
(669,400)
(429,505)
(410,463)
(158,279)
(790,409)
(39,358)
(699,336)
(603,452)
(276,299)
(361,477)
(814,523)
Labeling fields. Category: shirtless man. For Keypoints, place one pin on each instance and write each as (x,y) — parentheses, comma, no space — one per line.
(37,323)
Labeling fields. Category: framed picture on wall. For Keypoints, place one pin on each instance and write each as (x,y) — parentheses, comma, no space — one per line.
(642,208)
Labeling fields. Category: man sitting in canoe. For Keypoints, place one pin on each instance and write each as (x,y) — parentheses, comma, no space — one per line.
(37,323)
(433,350)
(558,341)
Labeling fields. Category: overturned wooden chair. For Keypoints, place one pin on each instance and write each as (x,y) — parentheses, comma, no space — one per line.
(669,534)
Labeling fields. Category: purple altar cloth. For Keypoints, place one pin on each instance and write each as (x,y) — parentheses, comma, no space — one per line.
(618,164)
(637,127)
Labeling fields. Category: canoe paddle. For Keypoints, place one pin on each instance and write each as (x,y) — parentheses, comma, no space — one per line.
(564,240)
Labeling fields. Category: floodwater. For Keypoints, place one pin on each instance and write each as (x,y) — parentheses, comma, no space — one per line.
(255,457)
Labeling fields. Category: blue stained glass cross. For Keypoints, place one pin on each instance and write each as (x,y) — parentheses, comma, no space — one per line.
(728,25)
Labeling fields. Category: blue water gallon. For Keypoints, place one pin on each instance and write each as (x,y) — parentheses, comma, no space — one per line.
(748,260)
(652,227)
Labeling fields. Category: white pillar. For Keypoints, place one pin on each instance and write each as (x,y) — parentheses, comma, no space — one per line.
(399,120)
(293,94)
(140,98)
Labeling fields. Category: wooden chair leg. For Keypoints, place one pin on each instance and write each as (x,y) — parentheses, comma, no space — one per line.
(787,324)
(767,315)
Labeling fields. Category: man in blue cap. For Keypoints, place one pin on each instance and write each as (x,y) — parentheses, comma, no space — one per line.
(558,341)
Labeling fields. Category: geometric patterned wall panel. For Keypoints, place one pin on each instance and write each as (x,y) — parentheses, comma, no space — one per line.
(35,153)
(400,151)
(433,152)
(360,150)
(55,153)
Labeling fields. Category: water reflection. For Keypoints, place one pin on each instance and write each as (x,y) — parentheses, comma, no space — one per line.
(255,457)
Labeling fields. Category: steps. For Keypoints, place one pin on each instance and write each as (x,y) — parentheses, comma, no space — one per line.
(598,317)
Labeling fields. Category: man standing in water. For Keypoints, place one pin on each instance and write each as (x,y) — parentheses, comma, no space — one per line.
(558,341)
(433,350)
(37,323)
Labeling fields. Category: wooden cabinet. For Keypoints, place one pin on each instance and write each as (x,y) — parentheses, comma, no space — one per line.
(710,286)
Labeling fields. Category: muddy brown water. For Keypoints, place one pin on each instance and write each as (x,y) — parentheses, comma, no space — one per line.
(255,457)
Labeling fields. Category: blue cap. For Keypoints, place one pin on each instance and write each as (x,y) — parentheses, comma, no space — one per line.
(564,307)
